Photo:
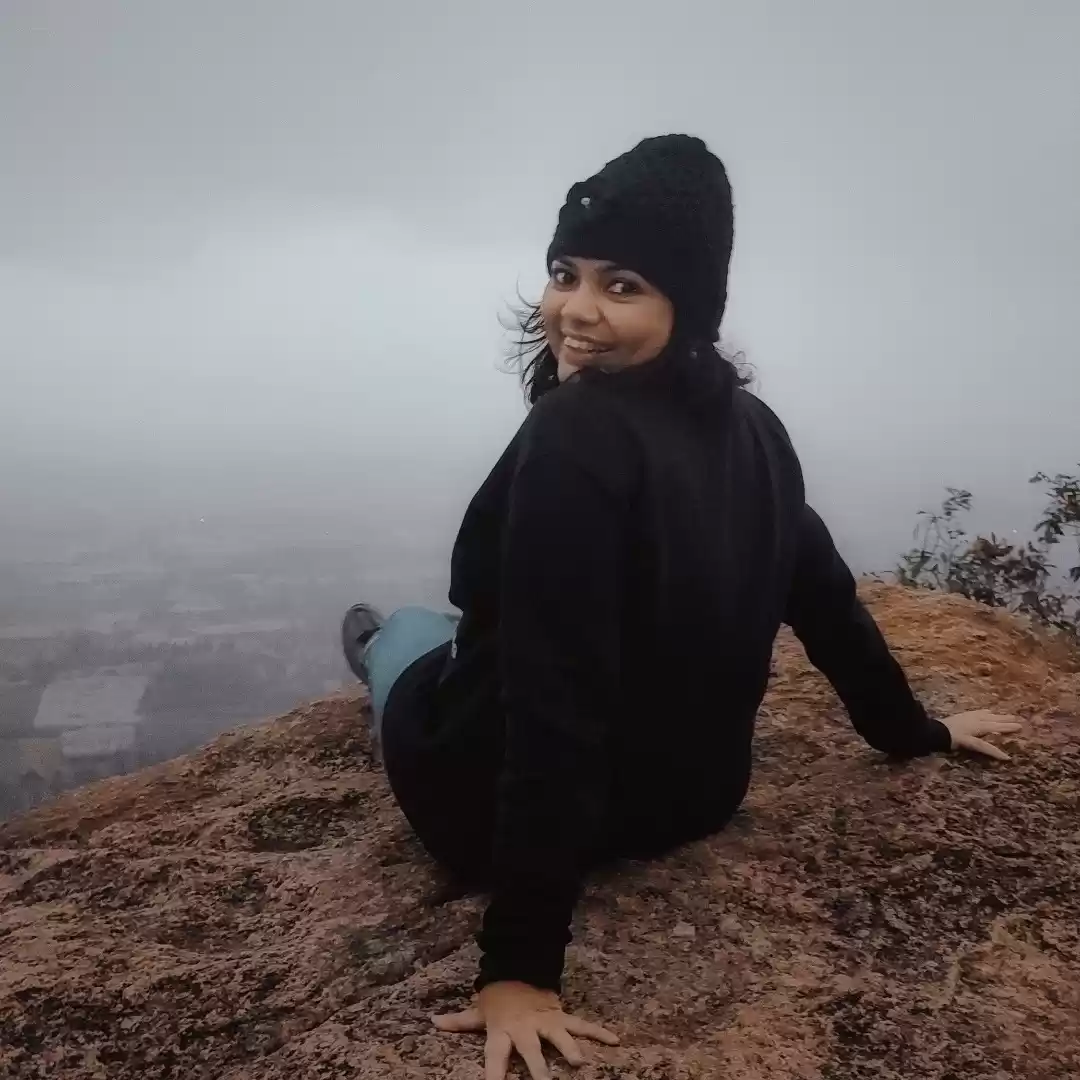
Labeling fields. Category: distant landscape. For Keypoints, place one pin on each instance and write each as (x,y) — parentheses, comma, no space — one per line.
(120,656)
(138,646)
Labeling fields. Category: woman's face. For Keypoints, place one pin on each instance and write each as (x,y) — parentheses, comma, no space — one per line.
(597,314)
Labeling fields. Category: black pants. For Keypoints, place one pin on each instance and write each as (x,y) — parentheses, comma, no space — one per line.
(446,783)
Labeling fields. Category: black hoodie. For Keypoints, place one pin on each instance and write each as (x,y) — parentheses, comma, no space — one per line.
(623,573)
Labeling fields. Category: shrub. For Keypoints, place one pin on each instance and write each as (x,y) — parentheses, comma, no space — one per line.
(1018,577)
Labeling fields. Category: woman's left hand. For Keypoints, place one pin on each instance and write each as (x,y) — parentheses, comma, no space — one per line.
(516,1017)
(968,728)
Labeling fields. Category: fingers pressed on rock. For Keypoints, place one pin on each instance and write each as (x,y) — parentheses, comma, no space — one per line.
(469,1020)
(981,746)
(497,1056)
(528,1046)
(583,1029)
(992,751)
(563,1041)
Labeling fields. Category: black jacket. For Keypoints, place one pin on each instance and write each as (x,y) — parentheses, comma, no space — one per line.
(623,573)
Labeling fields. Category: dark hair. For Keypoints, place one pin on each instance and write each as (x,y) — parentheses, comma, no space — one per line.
(531,358)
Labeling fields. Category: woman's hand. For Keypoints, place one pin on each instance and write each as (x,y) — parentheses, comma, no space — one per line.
(967,727)
(516,1017)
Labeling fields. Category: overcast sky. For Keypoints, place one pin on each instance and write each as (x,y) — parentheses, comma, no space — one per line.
(257,251)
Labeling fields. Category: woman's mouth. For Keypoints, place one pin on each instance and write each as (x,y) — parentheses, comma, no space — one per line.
(583,346)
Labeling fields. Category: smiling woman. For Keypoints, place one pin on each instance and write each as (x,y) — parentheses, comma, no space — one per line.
(599,314)
(622,574)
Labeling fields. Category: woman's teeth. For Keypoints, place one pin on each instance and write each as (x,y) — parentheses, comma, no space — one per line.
(578,345)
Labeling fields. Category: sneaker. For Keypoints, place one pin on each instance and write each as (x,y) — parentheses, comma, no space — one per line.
(360,625)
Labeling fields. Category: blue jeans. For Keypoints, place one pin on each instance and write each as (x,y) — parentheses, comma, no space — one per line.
(408,634)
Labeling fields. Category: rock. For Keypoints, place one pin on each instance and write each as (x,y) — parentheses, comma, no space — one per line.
(260,911)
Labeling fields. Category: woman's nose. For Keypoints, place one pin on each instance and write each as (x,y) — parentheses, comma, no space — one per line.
(581,305)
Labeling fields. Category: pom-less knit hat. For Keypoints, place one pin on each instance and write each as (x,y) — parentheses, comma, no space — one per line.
(664,210)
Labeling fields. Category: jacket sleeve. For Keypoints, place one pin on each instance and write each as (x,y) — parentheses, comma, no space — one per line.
(559,657)
(844,643)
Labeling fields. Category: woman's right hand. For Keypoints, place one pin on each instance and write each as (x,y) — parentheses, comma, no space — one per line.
(517,1017)
(967,729)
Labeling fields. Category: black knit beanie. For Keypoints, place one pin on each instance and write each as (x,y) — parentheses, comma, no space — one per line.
(663,210)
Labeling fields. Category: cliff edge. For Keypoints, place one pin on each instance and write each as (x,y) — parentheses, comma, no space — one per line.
(258,909)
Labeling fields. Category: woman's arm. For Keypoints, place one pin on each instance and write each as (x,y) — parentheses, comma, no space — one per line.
(560,653)
(844,643)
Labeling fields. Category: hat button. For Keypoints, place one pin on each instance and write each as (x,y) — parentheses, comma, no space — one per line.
(586,201)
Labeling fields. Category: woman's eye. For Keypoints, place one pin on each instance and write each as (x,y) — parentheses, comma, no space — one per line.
(562,277)
(622,287)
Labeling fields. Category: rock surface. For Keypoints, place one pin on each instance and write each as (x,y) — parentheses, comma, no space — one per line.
(259,909)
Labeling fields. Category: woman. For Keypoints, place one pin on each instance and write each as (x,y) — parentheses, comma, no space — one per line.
(622,574)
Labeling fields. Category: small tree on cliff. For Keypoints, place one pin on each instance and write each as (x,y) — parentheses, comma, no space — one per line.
(1018,577)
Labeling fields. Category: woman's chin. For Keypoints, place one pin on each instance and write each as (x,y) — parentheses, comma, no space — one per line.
(566,370)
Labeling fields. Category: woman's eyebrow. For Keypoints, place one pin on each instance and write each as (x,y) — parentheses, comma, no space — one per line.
(614,267)
(602,266)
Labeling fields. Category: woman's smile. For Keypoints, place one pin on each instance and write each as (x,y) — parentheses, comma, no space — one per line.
(597,313)
(583,346)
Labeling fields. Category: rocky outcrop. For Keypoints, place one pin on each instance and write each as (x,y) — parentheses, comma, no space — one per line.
(259,910)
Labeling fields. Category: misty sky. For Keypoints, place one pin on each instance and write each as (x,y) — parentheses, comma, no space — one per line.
(255,253)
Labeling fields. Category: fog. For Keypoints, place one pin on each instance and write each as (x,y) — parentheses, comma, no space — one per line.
(253,256)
